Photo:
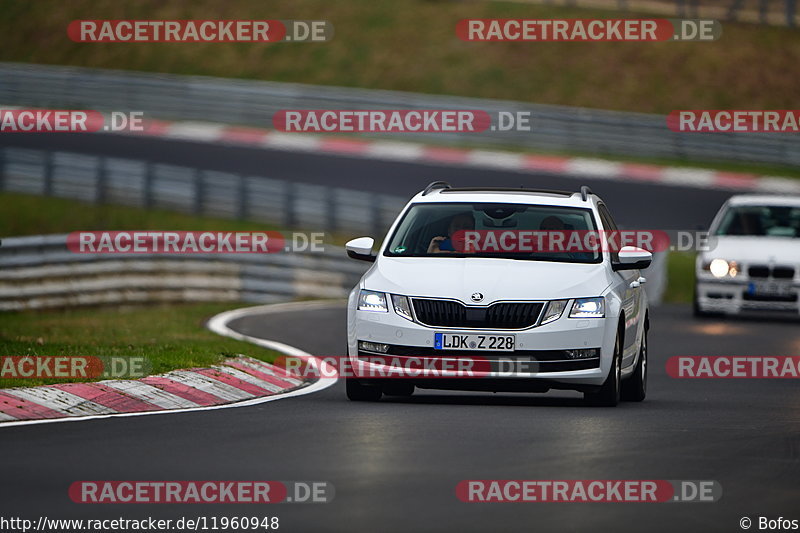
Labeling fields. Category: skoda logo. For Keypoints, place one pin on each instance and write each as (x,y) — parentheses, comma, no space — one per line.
(477,297)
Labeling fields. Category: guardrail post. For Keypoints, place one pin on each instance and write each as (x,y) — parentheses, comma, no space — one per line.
(375,214)
(102,181)
(790,9)
(290,217)
(147,186)
(2,169)
(48,174)
(199,192)
(241,205)
(330,210)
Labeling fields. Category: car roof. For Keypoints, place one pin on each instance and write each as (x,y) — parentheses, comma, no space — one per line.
(506,195)
(764,199)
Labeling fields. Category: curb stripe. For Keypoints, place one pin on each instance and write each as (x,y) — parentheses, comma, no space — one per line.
(250,388)
(210,385)
(107,397)
(249,378)
(61,401)
(24,409)
(392,150)
(184,391)
(263,374)
(150,394)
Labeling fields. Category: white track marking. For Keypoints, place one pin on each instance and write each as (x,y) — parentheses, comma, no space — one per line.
(219,324)
(5,417)
(195,131)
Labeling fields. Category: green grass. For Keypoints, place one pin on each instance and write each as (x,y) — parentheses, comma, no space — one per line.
(412,46)
(169,337)
(680,277)
(23,214)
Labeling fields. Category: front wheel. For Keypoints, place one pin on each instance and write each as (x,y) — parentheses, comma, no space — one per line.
(608,395)
(634,389)
(357,392)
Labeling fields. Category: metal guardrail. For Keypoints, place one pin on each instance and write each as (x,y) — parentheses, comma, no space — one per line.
(40,272)
(201,192)
(253,103)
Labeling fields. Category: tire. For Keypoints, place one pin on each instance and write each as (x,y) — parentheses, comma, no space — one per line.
(357,392)
(608,395)
(634,389)
(397,388)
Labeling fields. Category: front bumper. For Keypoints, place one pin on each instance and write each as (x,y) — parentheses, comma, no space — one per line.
(539,357)
(735,296)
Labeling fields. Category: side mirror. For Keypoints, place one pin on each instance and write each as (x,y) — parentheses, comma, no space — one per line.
(361,249)
(632,258)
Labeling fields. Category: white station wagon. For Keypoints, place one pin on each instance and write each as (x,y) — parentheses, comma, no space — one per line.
(535,320)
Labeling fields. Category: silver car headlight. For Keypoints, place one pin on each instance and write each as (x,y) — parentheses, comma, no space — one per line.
(588,308)
(402,306)
(372,301)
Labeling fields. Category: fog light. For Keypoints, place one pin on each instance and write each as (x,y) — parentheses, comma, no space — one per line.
(583,353)
(373,347)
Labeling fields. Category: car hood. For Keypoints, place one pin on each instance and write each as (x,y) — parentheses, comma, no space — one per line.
(496,279)
(754,249)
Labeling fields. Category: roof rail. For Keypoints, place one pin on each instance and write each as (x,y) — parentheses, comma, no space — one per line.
(585,192)
(435,185)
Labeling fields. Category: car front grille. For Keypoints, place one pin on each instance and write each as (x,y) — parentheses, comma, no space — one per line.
(502,315)
(765,271)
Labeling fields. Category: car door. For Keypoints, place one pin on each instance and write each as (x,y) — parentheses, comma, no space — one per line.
(631,292)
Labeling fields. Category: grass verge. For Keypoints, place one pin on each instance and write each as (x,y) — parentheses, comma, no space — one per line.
(169,336)
(680,277)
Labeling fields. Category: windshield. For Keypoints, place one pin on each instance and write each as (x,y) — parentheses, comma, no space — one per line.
(489,230)
(761,220)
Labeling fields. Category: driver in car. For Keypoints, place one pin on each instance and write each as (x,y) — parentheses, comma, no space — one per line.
(444,244)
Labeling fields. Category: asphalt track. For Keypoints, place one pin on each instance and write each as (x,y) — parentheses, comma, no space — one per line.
(395,464)
(639,205)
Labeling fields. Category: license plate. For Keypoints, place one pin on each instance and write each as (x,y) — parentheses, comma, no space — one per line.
(489,343)
(769,288)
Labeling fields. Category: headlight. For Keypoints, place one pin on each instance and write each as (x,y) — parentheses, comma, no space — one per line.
(372,301)
(553,311)
(402,306)
(720,268)
(588,308)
